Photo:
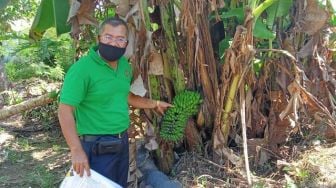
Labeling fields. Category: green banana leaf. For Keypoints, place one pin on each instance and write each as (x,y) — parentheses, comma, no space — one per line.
(235,12)
(51,13)
(260,29)
(61,11)
(278,9)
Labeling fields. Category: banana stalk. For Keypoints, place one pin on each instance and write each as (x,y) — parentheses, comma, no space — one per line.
(225,127)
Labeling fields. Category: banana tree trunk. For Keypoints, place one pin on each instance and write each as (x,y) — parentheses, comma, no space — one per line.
(165,154)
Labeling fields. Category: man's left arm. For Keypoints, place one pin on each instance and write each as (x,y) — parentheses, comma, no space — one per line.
(142,102)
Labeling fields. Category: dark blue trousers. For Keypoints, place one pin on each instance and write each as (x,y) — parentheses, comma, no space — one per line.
(113,166)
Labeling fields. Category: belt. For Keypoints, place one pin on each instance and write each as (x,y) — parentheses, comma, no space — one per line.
(92,138)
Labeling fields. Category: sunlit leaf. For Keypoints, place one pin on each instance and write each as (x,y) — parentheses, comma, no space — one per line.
(223,45)
(43,20)
(235,12)
(278,9)
(261,31)
(257,65)
(333,20)
(51,13)
(61,10)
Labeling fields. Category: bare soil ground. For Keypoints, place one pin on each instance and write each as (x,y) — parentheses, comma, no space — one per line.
(31,158)
(40,159)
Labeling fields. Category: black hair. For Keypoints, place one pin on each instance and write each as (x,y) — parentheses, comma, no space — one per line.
(114,21)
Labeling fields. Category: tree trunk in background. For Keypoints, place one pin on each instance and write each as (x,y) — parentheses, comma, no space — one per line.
(26,105)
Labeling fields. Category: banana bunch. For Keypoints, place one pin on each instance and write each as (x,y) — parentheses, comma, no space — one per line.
(175,119)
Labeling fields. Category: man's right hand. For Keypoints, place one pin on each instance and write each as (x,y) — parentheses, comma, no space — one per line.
(78,157)
(80,162)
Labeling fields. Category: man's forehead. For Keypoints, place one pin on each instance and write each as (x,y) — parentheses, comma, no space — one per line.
(112,30)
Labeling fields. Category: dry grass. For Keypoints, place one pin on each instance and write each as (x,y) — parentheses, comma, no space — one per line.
(315,168)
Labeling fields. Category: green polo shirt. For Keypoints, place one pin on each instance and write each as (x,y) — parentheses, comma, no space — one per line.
(99,94)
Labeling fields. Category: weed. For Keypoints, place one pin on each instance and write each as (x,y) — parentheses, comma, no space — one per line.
(259,184)
(300,175)
(289,182)
(3,179)
(24,144)
(45,115)
(13,156)
(56,148)
(41,176)
(11,97)
(56,73)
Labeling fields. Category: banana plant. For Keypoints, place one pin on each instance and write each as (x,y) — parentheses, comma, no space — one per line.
(51,13)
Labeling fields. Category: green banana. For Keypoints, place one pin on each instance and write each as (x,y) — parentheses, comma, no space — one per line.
(186,104)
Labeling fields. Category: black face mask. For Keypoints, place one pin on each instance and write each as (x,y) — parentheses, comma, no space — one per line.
(109,52)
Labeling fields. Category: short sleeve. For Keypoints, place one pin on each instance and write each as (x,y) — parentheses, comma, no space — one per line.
(75,86)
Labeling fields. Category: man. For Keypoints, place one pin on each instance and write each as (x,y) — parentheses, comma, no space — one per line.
(93,110)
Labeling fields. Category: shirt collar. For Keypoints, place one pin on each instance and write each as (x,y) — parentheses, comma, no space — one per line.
(95,56)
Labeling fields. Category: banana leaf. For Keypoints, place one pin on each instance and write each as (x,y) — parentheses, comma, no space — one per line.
(235,12)
(51,13)
(278,9)
(260,30)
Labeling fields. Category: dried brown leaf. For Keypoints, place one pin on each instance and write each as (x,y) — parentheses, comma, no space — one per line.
(81,13)
(200,117)
(138,87)
(308,48)
(193,137)
(152,144)
(256,149)
(123,8)
(130,49)
(155,64)
(221,150)
(313,18)
(249,99)
(277,130)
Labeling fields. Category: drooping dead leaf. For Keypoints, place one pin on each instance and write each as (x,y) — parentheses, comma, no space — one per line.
(313,105)
(81,13)
(200,117)
(150,134)
(257,149)
(135,15)
(258,120)
(313,18)
(155,64)
(205,79)
(277,129)
(193,137)
(221,151)
(152,144)
(322,127)
(138,87)
(292,107)
(308,48)
(130,49)
(122,7)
